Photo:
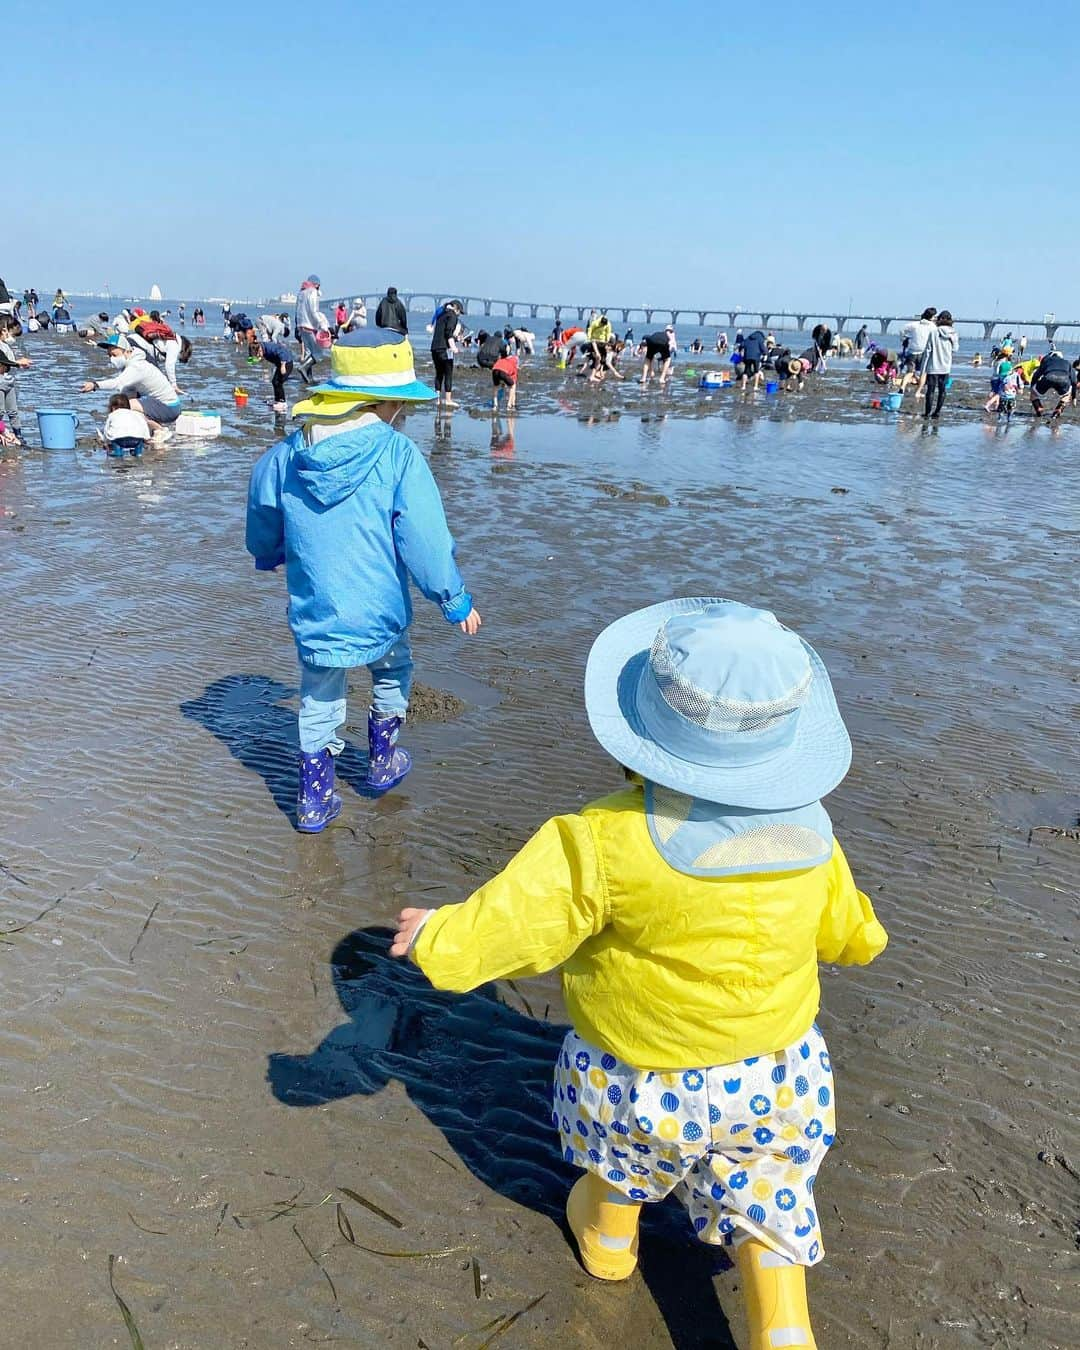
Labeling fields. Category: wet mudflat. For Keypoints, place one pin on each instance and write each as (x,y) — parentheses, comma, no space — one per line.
(204,1048)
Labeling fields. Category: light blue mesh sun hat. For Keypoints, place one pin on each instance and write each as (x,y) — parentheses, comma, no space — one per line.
(731,720)
(719,701)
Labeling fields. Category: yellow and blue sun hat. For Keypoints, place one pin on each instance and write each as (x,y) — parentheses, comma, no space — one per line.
(367,366)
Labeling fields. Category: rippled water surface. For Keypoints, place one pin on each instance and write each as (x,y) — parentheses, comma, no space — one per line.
(203,1040)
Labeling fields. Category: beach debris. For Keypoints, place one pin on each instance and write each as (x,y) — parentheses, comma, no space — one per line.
(142,930)
(1058,1160)
(477,1331)
(447,1161)
(509,1322)
(1058,831)
(477,1278)
(318,1263)
(840,490)
(7,871)
(22,927)
(346,1230)
(371,1205)
(125,1311)
(524,1000)
(158,1232)
(278,1209)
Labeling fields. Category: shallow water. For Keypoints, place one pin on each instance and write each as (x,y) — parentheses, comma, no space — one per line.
(201,1026)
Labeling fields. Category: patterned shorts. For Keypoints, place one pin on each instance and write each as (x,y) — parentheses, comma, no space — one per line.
(742,1142)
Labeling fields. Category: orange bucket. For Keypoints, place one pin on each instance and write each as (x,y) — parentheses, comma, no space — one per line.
(240,397)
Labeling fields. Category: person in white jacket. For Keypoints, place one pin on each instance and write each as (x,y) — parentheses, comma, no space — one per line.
(308,322)
(937,361)
(915,336)
(146,385)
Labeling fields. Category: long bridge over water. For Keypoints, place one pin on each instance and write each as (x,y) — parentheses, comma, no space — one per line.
(485,306)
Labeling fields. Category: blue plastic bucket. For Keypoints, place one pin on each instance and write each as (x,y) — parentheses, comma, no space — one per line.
(892,402)
(57,428)
(771,386)
(711,380)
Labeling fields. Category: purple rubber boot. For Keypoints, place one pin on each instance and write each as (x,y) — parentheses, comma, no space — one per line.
(387,765)
(316,802)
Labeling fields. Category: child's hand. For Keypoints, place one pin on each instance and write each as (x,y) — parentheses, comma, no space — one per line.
(471,626)
(409,920)
(25,361)
(87,388)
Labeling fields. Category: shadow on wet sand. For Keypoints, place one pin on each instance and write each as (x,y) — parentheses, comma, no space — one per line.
(481,1072)
(244,712)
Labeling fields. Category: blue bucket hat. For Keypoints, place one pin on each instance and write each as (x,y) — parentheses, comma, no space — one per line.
(718,701)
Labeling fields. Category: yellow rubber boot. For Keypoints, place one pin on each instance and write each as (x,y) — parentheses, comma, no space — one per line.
(605,1225)
(775,1294)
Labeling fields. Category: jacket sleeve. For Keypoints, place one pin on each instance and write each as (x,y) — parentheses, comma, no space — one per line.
(122,381)
(528,919)
(849,933)
(265,532)
(422,538)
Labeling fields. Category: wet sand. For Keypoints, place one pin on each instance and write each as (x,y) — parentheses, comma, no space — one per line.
(204,1041)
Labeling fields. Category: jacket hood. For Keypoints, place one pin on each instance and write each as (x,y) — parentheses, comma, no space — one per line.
(334,468)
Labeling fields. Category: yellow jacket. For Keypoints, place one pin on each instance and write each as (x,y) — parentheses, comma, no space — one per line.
(599,331)
(665,970)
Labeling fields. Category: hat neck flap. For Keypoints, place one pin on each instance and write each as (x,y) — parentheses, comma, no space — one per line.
(707,839)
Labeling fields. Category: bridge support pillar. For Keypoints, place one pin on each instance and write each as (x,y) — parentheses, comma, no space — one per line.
(765,320)
(800,322)
(581,313)
(988,329)
(884,324)
(675,316)
(625,315)
(557,311)
(839,324)
(487,307)
(648,315)
(510,307)
(1051,329)
(732,315)
(532,311)
(701,317)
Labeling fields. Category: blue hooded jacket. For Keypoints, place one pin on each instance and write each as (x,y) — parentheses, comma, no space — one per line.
(352,518)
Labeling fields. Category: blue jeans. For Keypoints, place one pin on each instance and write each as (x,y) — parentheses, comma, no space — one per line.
(310,347)
(322,696)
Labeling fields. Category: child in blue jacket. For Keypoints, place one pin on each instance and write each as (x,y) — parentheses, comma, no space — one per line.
(350,507)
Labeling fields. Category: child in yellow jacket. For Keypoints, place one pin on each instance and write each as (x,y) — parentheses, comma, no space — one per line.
(688,914)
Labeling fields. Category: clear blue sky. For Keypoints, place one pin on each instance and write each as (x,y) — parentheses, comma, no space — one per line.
(778,154)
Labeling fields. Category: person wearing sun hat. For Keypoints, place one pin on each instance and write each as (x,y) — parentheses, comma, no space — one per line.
(349,505)
(688,912)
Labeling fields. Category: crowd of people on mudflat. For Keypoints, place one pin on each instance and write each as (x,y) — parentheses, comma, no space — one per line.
(145,348)
(925,362)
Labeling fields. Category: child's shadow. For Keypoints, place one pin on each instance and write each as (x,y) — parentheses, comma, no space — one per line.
(481,1072)
(244,712)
